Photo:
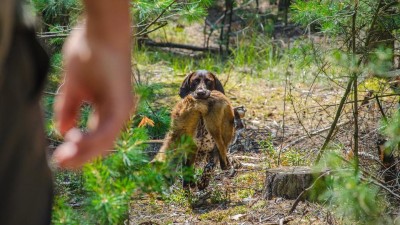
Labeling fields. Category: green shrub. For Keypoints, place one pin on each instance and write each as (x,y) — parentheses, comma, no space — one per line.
(349,193)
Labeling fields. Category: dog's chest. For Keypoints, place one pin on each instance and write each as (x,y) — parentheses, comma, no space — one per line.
(203,139)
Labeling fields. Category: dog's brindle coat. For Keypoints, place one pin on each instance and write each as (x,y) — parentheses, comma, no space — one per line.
(199,84)
(218,118)
(205,114)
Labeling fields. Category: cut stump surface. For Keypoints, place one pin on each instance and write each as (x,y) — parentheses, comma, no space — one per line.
(288,182)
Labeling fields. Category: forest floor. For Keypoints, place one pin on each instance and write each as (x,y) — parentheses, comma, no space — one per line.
(239,200)
(305,109)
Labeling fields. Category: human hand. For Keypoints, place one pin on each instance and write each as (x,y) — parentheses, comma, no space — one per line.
(98,72)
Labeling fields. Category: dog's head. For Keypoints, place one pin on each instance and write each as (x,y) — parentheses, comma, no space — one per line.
(200,84)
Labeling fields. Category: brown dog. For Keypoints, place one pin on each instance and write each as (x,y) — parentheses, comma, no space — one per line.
(200,84)
(217,115)
(206,115)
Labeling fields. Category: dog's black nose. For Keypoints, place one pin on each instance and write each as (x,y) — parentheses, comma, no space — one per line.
(201,93)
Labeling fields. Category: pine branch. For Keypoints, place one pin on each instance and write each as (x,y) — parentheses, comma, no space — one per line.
(156,19)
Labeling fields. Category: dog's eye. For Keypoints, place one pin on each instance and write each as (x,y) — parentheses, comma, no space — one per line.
(196,81)
(209,83)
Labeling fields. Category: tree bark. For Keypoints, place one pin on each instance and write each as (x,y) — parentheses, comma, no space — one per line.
(289,182)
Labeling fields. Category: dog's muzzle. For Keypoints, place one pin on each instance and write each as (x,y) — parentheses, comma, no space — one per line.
(201,94)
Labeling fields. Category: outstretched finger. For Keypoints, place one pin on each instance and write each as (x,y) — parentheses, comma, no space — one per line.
(66,109)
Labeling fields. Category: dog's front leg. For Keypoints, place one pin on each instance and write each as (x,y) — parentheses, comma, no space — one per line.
(215,132)
(208,170)
(188,162)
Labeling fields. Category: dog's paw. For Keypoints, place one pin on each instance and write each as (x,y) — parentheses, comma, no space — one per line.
(235,163)
(224,165)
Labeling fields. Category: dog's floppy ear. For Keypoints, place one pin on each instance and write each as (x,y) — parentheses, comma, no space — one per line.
(185,86)
(218,84)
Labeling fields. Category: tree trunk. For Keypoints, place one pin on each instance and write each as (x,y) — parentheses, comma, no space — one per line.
(289,182)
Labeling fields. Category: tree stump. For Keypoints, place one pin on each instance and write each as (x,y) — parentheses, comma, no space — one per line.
(289,182)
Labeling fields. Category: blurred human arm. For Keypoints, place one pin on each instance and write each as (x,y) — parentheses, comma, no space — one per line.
(97,70)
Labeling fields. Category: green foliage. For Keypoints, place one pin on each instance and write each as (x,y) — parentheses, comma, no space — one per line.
(219,196)
(109,184)
(57,43)
(47,102)
(290,157)
(294,158)
(335,18)
(69,183)
(58,12)
(147,11)
(160,116)
(246,193)
(256,51)
(392,130)
(54,78)
(178,196)
(303,53)
(64,214)
(352,198)
(50,128)
(105,187)
(381,62)
(190,10)
(328,15)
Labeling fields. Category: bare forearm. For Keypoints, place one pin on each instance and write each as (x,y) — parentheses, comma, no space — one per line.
(109,20)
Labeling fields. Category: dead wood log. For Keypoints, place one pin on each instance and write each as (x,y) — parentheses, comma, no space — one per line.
(151,43)
(289,182)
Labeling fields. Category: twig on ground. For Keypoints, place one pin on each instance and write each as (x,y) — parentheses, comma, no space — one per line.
(267,218)
(311,134)
(249,157)
(251,165)
(373,180)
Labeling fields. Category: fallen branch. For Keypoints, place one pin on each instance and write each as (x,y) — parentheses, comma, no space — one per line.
(249,157)
(50,93)
(267,218)
(251,165)
(283,220)
(369,156)
(48,36)
(151,43)
(352,102)
(311,134)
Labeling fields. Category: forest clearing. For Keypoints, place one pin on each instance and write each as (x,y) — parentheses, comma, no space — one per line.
(318,81)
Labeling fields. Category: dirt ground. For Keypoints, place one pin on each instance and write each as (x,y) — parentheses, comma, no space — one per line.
(283,118)
(306,116)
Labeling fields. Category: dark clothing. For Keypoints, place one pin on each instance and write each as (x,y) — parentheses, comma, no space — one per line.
(25,178)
